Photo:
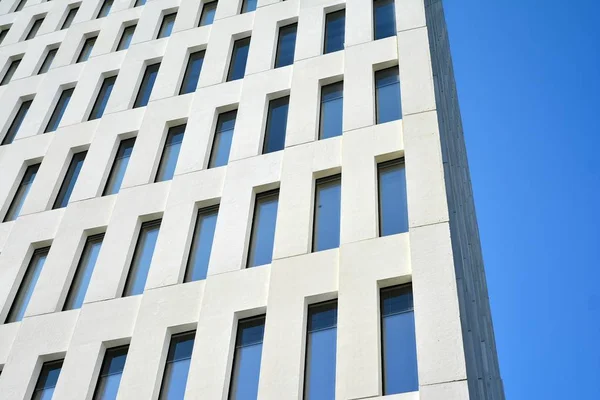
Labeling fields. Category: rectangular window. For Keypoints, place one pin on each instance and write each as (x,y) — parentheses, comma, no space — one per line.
(140,265)
(20,5)
(87,48)
(219,155)
(263,228)
(14,64)
(59,110)
(34,269)
(387,84)
(246,359)
(146,86)
(332,110)
(177,366)
(168,161)
(34,28)
(103,96)
(239,57)
(44,388)
(47,61)
(166,27)
(105,9)
(17,121)
(117,173)
(126,38)
(286,45)
(248,6)
(70,17)
(399,346)
(70,179)
(3,33)
(192,72)
(327,213)
(321,342)
(140,3)
(111,372)
(208,13)
(384,18)
(335,31)
(204,233)
(393,209)
(84,271)
(22,191)
(276,125)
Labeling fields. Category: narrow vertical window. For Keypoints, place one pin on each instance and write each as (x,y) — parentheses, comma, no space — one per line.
(286,45)
(168,161)
(140,3)
(239,57)
(22,191)
(105,9)
(384,18)
(246,360)
(222,142)
(64,194)
(126,37)
(102,99)
(34,28)
(14,64)
(59,110)
(332,110)
(110,373)
(387,85)
(84,271)
(44,388)
(327,213)
(3,33)
(86,50)
(192,72)
(17,121)
(146,86)
(321,341)
(398,340)
(177,366)
(335,31)
(47,61)
(393,209)
(140,265)
(276,125)
(117,172)
(248,6)
(20,5)
(263,228)
(208,13)
(34,269)
(204,233)
(166,27)
(70,17)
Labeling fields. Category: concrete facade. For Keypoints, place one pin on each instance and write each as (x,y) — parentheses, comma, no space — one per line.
(440,255)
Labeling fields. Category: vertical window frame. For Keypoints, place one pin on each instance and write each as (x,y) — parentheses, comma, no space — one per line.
(201,213)
(59,110)
(78,284)
(113,169)
(322,130)
(10,71)
(147,85)
(377,87)
(71,175)
(235,373)
(109,355)
(238,45)
(176,338)
(280,101)
(208,6)
(278,52)
(318,182)
(216,143)
(105,9)
(165,30)
(258,199)
(56,364)
(331,17)
(126,37)
(15,125)
(70,17)
(162,174)
(128,288)
(28,179)
(48,60)
(193,56)
(86,49)
(380,168)
(106,88)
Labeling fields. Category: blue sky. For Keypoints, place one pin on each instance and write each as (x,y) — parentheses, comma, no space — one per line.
(528,80)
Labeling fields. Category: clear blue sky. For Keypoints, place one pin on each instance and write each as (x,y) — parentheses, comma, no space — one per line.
(528,76)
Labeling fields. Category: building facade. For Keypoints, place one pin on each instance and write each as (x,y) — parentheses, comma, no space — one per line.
(236,199)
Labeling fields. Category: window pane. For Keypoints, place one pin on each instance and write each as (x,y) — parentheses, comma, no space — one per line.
(84,271)
(167,25)
(286,45)
(22,191)
(263,229)
(47,61)
(192,72)
(102,99)
(237,68)
(3,33)
(105,8)
(34,269)
(70,17)
(34,28)
(393,210)
(140,3)
(389,107)
(147,85)
(140,265)
(321,341)
(335,31)
(16,124)
(222,141)
(204,233)
(59,110)
(399,343)
(248,6)
(327,213)
(208,13)
(113,185)
(70,179)
(384,14)
(276,125)
(44,389)
(170,154)
(86,50)
(332,104)
(246,360)
(126,38)
(111,372)
(177,366)
(10,71)
(20,5)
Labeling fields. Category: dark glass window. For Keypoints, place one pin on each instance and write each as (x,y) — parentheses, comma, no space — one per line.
(167,25)
(84,271)
(335,31)
(3,33)
(276,125)
(34,269)
(105,9)
(111,372)
(399,343)
(102,99)
(59,110)
(86,50)
(35,28)
(14,64)
(393,210)
(146,86)
(140,3)
(44,388)
(332,110)
(126,37)
(20,5)
(321,341)
(177,366)
(168,161)
(204,233)
(286,45)
(246,360)
(70,179)
(239,57)
(16,124)
(117,173)
(140,265)
(263,228)
(387,84)
(327,213)
(70,17)
(248,6)
(192,72)
(384,15)
(208,13)
(22,191)
(222,142)
(47,61)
